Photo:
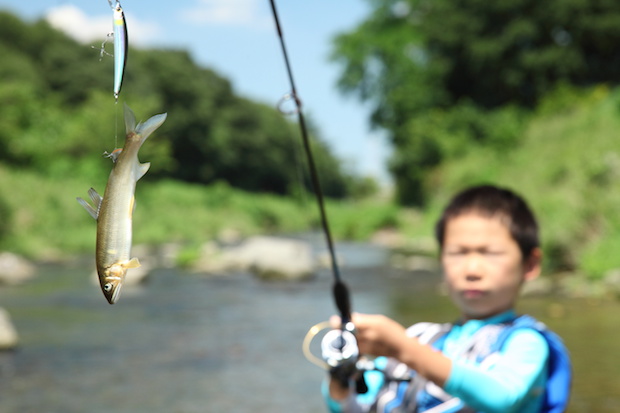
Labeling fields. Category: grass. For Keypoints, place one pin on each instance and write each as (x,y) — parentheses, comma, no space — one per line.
(42,220)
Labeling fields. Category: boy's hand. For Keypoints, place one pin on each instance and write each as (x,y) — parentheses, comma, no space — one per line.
(377,335)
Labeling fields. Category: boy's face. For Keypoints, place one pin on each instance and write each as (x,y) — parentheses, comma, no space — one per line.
(483,265)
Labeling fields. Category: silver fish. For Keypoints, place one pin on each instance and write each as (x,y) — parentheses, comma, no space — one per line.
(114,210)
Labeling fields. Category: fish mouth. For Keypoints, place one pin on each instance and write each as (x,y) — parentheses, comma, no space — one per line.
(116,292)
(111,288)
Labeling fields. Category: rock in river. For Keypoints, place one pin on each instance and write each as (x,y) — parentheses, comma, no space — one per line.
(14,269)
(8,334)
(267,257)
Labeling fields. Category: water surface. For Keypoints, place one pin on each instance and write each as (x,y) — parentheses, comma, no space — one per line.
(193,343)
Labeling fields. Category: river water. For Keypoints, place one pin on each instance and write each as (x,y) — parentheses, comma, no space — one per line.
(194,343)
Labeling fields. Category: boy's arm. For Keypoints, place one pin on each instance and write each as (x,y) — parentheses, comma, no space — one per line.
(524,357)
(379,335)
(504,385)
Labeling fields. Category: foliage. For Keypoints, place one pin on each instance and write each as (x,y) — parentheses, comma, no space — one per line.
(444,135)
(58,116)
(46,222)
(361,222)
(440,70)
(364,188)
(568,167)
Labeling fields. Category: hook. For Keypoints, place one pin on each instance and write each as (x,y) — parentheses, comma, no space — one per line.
(286,98)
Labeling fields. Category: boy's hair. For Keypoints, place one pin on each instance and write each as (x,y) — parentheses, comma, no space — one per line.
(492,201)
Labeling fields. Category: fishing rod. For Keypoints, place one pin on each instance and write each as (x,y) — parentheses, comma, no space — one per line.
(340,290)
(339,346)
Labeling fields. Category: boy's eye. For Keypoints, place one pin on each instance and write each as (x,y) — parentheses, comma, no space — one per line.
(461,253)
(493,253)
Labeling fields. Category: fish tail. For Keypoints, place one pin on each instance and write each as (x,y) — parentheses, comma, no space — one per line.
(144,129)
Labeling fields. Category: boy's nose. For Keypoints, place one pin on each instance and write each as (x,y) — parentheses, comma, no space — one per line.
(473,265)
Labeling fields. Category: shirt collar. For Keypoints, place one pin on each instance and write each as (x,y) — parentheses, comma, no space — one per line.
(504,317)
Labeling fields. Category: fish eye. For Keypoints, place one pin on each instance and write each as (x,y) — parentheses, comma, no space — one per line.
(108,287)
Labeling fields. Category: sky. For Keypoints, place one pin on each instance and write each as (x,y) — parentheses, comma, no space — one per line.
(237,39)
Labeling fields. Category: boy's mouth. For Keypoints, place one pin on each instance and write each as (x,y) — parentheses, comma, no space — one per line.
(472,293)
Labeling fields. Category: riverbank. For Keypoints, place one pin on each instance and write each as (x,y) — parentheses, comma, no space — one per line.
(48,225)
(299,257)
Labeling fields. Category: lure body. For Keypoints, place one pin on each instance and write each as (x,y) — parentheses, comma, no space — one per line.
(120,47)
(114,211)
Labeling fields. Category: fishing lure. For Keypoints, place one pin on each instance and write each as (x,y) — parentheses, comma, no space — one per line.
(120,46)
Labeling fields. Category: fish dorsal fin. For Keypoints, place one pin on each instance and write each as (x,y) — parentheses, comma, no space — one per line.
(96,198)
(142,169)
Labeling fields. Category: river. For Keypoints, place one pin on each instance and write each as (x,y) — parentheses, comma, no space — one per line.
(194,343)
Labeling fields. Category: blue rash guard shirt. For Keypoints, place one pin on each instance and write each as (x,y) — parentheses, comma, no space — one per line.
(512,380)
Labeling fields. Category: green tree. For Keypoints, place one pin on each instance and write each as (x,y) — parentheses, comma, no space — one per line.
(415,59)
(219,136)
(58,116)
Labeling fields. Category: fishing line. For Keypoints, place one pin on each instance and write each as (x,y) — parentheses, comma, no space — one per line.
(115,124)
(340,290)
(300,195)
(121,45)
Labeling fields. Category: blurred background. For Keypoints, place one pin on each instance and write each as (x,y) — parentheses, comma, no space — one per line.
(408,101)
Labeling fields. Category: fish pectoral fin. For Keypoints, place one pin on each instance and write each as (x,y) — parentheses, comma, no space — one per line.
(132,263)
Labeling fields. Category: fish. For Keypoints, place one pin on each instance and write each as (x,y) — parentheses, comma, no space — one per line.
(121,42)
(114,211)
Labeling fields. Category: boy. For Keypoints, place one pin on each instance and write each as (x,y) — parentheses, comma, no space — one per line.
(491,360)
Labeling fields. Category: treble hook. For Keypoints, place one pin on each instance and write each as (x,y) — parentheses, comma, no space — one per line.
(284,99)
(116,6)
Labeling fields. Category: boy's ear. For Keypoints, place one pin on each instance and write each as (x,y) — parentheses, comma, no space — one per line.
(533,265)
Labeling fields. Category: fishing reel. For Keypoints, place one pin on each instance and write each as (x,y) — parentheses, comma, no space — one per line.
(339,347)
(340,351)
